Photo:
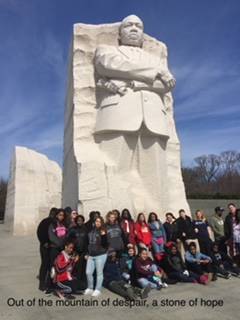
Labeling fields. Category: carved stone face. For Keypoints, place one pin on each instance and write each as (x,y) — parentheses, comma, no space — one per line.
(131,31)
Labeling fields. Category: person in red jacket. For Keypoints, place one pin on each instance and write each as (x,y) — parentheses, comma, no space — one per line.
(143,233)
(128,228)
(63,266)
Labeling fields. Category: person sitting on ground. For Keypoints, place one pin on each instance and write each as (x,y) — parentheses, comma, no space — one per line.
(158,236)
(114,281)
(65,283)
(143,233)
(126,263)
(43,237)
(114,233)
(202,233)
(170,227)
(128,228)
(176,268)
(147,272)
(199,263)
(79,235)
(223,264)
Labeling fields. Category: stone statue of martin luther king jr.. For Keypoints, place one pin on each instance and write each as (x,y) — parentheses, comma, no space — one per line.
(132,119)
(133,82)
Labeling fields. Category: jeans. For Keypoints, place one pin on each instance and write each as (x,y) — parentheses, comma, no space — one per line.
(67,287)
(97,263)
(144,282)
(157,248)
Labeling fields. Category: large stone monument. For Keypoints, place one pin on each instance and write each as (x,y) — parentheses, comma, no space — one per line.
(34,187)
(120,143)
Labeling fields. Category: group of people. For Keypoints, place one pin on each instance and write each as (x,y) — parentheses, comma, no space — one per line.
(131,257)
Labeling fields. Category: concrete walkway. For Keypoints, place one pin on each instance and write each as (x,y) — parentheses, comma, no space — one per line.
(19,263)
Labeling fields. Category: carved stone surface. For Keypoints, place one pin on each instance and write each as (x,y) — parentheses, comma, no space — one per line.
(139,170)
(34,187)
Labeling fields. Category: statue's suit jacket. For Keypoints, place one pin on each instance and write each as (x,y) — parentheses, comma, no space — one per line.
(123,65)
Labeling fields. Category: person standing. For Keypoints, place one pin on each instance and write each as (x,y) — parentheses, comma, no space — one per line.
(96,257)
(57,233)
(184,226)
(202,233)
(114,233)
(170,227)
(232,231)
(79,235)
(158,236)
(143,233)
(217,224)
(128,228)
(42,234)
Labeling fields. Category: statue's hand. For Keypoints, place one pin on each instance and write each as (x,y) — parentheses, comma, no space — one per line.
(167,79)
(171,83)
(122,91)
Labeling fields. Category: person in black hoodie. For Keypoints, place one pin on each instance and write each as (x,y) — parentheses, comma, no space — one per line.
(92,217)
(79,235)
(170,227)
(114,281)
(57,233)
(96,257)
(114,233)
(42,234)
(176,268)
(185,229)
(223,264)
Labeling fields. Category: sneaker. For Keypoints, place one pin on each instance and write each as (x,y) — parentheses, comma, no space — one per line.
(164,285)
(88,291)
(96,293)
(144,292)
(42,288)
(48,291)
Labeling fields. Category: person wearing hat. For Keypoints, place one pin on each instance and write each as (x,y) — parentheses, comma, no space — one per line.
(217,224)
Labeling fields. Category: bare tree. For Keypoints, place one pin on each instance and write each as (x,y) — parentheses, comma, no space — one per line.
(208,167)
(230,162)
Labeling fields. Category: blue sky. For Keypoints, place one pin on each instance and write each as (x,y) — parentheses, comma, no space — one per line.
(203,39)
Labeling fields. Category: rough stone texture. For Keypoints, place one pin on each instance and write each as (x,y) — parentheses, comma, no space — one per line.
(34,187)
(90,180)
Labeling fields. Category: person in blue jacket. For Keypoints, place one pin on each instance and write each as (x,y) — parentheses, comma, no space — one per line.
(158,235)
(198,262)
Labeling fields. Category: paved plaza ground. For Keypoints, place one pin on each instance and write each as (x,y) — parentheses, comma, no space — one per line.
(19,263)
